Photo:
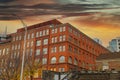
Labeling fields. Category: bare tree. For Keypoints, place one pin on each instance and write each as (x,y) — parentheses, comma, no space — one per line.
(10,68)
(32,66)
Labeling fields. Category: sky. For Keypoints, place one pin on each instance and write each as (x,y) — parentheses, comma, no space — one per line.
(96,18)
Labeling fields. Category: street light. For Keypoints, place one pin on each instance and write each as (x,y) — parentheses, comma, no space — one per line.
(24,46)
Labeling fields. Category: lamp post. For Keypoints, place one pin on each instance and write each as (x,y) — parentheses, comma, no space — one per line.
(24,46)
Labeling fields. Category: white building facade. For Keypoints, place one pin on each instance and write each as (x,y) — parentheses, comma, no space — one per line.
(114,45)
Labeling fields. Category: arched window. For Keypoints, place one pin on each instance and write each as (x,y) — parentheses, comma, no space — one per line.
(70,60)
(75,61)
(53,60)
(62,59)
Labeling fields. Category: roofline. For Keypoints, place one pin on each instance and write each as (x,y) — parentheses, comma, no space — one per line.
(54,21)
(89,37)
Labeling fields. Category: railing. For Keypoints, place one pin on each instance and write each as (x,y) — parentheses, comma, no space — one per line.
(81,75)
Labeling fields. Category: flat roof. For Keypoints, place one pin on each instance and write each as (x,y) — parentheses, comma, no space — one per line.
(114,55)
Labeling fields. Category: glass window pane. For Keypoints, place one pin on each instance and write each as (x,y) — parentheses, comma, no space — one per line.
(37,52)
(53,60)
(61,59)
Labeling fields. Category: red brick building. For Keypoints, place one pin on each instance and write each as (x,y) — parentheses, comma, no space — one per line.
(60,47)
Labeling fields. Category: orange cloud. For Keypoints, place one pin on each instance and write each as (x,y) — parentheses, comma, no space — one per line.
(104,32)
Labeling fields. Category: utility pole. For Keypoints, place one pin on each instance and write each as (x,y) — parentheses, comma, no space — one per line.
(24,46)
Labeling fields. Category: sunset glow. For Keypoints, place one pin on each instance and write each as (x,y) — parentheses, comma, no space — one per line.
(96,18)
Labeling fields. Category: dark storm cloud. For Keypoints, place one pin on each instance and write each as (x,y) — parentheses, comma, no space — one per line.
(7,18)
(67,10)
(6,1)
(46,9)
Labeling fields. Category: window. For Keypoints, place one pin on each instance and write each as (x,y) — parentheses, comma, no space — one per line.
(13,38)
(28,37)
(45,41)
(18,54)
(31,51)
(61,48)
(43,32)
(37,60)
(37,34)
(62,29)
(118,40)
(70,30)
(62,38)
(105,66)
(19,46)
(70,60)
(61,69)
(54,30)
(83,64)
(53,60)
(47,32)
(7,50)
(54,39)
(45,50)
(2,60)
(10,64)
(27,53)
(54,69)
(75,62)
(53,49)
(61,59)
(78,34)
(28,44)
(15,55)
(32,35)
(16,47)
(75,41)
(75,33)
(12,55)
(0,51)
(38,42)
(70,38)
(31,43)
(12,47)
(52,25)
(16,38)
(20,37)
(37,52)
(70,48)
(118,43)
(40,33)
(75,50)
(44,61)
